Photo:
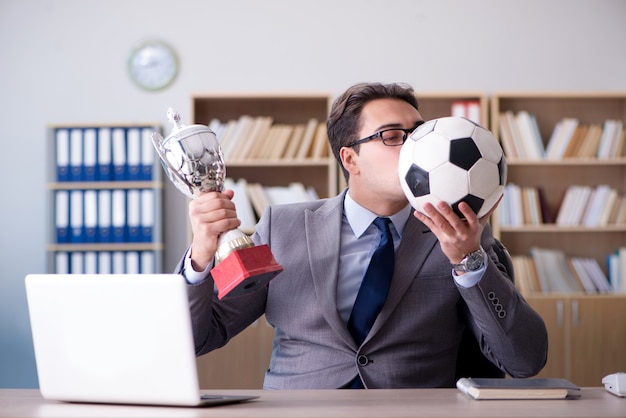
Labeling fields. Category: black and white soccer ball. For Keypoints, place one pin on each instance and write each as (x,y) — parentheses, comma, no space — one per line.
(454,160)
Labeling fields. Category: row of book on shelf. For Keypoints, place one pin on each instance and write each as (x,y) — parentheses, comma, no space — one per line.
(104,215)
(105,262)
(260,138)
(581,205)
(548,270)
(521,138)
(104,153)
(251,199)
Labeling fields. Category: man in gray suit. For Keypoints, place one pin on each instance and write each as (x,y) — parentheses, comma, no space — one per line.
(449,275)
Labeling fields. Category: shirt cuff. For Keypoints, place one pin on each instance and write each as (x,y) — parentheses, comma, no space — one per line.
(471,278)
(192,276)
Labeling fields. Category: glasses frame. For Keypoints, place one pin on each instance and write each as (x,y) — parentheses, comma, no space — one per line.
(379,134)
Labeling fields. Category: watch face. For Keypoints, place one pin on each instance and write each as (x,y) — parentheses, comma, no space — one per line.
(153,65)
(475,260)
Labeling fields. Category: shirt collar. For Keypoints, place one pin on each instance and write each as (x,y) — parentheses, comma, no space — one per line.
(360,218)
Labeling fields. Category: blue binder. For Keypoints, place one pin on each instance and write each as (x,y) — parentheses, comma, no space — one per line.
(76,155)
(62,154)
(148,154)
(104,216)
(133,153)
(104,165)
(90,154)
(147,215)
(62,216)
(118,215)
(133,215)
(118,144)
(77,226)
(90,215)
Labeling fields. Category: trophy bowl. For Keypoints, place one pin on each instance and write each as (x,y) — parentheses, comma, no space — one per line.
(193,161)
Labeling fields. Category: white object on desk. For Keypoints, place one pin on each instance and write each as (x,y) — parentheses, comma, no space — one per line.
(615,383)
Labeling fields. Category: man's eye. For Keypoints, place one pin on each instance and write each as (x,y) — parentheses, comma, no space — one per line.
(393,136)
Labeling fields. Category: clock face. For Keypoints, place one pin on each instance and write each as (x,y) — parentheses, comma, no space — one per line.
(153,65)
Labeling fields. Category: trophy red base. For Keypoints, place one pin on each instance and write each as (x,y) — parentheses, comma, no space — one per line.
(244,271)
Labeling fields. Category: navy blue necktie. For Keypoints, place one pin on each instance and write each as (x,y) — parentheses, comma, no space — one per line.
(375,285)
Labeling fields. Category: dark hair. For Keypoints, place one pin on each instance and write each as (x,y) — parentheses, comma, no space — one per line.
(344,120)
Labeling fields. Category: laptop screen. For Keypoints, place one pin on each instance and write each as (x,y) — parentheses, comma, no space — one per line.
(113,338)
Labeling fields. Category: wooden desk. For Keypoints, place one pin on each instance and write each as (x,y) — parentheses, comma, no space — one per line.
(594,402)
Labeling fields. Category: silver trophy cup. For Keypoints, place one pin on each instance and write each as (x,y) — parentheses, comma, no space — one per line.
(193,161)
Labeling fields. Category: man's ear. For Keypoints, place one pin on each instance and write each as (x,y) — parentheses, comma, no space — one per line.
(349,160)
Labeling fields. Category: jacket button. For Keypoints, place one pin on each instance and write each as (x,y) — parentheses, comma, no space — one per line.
(362,360)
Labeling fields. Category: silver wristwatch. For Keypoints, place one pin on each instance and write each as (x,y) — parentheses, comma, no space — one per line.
(472,262)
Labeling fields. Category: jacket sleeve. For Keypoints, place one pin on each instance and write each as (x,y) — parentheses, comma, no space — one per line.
(509,331)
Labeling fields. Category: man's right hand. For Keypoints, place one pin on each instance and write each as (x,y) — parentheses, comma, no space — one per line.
(210,215)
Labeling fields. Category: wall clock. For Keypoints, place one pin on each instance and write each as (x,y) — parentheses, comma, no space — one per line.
(153,65)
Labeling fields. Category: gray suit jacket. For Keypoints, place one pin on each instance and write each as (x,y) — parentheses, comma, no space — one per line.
(415,339)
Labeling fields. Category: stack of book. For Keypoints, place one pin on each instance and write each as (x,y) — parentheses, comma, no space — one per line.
(570,138)
(591,206)
(261,138)
(581,206)
(251,199)
(548,270)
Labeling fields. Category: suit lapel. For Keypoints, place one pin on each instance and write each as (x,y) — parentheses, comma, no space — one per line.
(322,234)
(417,243)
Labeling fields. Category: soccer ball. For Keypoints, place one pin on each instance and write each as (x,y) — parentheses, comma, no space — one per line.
(454,160)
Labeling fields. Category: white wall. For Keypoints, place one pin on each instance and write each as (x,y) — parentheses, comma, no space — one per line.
(64,61)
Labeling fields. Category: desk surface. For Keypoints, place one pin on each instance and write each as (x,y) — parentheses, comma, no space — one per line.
(594,402)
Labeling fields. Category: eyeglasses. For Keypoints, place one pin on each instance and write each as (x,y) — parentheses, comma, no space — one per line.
(390,137)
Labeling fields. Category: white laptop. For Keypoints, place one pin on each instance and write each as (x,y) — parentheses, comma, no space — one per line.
(116,338)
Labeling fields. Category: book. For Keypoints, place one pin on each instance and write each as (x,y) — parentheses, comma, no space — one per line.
(257,135)
(507,139)
(576,142)
(530,136)
(307,139)
(528,388)
(554,272)
(285,135)
(320,142)
(291,147)
(561,138)
(590,143)
(241,199)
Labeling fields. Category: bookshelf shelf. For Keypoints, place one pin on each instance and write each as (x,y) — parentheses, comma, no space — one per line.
(570,162)
(553,228)
(105,247)
(103,185)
